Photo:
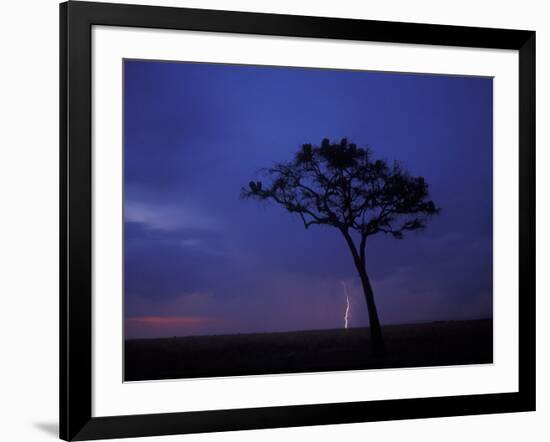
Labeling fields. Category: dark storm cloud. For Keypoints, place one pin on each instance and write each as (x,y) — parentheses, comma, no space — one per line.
(195,134)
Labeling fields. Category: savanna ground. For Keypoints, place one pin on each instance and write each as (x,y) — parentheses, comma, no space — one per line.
(415,345)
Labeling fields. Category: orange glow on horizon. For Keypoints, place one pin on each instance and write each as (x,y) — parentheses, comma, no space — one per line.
(186,321)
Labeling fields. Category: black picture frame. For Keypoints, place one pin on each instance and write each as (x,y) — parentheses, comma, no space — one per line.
(76,21)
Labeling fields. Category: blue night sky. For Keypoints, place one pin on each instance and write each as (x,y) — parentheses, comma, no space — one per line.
(200,260)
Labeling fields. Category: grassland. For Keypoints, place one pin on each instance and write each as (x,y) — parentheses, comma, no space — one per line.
(412,345)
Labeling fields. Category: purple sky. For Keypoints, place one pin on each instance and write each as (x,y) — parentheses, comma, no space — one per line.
(199,260)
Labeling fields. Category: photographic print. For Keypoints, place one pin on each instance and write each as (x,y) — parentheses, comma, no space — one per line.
(289,220)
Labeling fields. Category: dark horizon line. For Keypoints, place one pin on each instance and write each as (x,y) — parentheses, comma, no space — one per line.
(435,321)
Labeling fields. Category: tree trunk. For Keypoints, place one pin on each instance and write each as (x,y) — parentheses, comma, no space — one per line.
(378,346)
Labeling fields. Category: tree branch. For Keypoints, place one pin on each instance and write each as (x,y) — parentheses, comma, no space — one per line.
(341,185)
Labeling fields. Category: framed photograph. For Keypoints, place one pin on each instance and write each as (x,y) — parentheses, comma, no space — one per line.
(273,220)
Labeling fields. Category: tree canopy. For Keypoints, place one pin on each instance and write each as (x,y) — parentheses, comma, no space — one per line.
(344,186)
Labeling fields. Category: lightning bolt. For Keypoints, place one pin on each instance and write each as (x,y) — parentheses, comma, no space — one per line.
(347,313)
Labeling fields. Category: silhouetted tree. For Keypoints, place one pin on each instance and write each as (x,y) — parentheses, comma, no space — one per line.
(343,186)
